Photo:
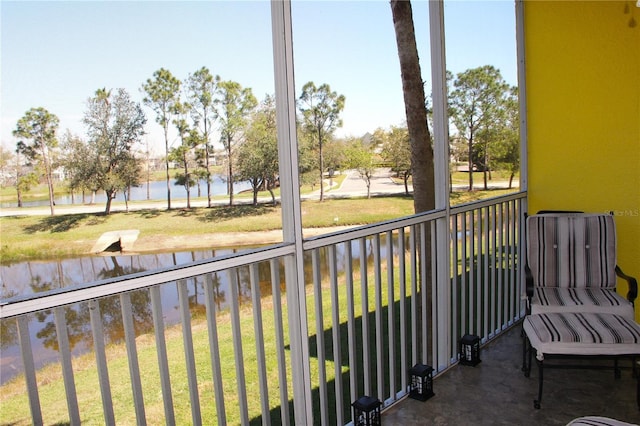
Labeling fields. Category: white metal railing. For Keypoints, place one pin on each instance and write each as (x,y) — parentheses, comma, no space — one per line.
(372,304)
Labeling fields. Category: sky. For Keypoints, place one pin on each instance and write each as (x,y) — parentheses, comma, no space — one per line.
(56,54)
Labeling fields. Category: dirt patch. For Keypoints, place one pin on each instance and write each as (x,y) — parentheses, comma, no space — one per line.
(150,243)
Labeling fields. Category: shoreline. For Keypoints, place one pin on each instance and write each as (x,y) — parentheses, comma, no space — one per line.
(220,240)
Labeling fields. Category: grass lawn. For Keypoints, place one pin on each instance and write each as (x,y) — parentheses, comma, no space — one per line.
(48,237)
(14,403)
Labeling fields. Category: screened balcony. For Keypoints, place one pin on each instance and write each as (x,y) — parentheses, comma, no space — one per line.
(250,346)
(293,333)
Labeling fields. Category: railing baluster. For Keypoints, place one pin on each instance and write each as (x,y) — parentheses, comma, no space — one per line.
(29,368)
(322,374)
(424,291)
(214,350)
(436,336)
(187,342)
(132,354)
(256,301)
(391,316)
(378,317)
(236,329)
(364,292)
(335,333)
(490,260)
(479,275)
(161,350)
(351,322)
(473,320)
(280,340)
(465,318)
(403,311)
(65,361)
(501,269)
(101,361)
(487,280)
(414,294)
(455,281)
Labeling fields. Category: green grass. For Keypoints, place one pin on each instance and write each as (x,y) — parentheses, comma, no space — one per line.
(48,237)
(14,404)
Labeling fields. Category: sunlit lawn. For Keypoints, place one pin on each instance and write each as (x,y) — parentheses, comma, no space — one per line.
(15,408)
(46,237)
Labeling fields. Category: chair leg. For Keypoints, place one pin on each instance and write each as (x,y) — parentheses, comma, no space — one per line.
(523,336)
(536,402)
(526,356)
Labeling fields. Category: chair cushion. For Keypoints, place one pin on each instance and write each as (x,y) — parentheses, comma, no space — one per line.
(572,250)
(589,299)
(582,334)
(597,421)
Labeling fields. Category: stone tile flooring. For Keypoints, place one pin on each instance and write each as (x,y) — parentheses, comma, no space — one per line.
(496,392)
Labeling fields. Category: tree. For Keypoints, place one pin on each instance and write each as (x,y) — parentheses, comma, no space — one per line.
(37,129)
(6,159)
(258,155)
(361,158)
(475,103)
(396,150)
(24,179)
(334,157)
(233,108)
(114,125)
(78,168)
(182,155)
(162,95)
(201,90)
(415,109)
(320,109)
(506,149)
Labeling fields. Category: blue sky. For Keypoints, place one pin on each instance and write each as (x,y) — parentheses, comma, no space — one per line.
(56,54)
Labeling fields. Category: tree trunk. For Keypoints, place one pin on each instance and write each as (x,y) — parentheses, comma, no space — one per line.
(470,163)
(321,159)
(166,162)
(421,149)
(229,172)
(110,194)
(19,195)
(48,173)
(187,179)
(416,111)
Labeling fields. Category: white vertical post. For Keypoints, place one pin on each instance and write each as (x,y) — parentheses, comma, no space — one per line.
(214,350)
(132,355)
(441,174)
(29,368)
(161,350)
(524,142)
(101,361)
(522,95)
(256,300)
(291,214)
(67,367)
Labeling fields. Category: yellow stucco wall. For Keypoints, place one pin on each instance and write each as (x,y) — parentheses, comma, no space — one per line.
(583,113)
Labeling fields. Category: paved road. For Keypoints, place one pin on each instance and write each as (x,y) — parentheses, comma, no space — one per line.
(352,186)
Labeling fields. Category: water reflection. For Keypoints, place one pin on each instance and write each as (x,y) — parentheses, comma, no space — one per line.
(33,277)
(157,190)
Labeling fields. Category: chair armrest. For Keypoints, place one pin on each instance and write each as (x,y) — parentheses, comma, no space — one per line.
(528,279)
(631,281)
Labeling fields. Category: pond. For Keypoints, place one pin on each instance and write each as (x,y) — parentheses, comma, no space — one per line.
(157,190)
(34,276)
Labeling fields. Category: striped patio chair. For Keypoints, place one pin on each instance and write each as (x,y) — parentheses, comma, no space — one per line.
(571,265)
